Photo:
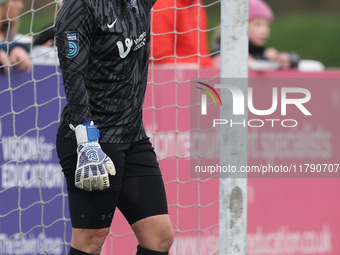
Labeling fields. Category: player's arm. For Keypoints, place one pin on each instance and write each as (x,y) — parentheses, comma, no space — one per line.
(74,31)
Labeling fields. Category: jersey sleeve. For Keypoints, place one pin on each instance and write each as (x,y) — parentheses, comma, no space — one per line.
(74,32)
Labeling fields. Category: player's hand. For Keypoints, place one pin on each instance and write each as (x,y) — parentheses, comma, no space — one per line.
(93,165)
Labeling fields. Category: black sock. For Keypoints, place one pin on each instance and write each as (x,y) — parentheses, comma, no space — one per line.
(143,251)
(77,252)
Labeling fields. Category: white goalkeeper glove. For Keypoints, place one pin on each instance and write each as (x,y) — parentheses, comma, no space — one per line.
(93,164)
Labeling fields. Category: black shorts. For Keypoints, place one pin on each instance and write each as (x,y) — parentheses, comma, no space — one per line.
(137,189)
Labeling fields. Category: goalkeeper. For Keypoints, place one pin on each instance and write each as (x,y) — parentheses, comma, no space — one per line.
(107,159)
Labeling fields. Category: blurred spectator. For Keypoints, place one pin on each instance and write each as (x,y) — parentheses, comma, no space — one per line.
(12,52)
(179,33)
(44,51)
(46,37)
(260,19)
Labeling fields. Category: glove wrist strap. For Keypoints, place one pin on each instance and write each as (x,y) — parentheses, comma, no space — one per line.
(87,132)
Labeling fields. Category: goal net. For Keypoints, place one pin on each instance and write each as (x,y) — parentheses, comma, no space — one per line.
(287,216)
(34,216)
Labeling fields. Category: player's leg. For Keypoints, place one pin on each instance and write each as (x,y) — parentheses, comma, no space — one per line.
(91,212)
(87,241)
(154,233)
(143,201)
(91,216)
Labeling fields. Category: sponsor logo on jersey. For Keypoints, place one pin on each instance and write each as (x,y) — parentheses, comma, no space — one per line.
(128,43)
(139,43)
(72,39)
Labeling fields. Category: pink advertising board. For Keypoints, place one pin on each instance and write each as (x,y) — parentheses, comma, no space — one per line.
(287,214)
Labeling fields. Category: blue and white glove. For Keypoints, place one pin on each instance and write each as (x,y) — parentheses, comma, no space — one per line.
(93,164)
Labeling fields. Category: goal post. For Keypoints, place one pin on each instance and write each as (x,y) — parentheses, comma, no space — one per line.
(233,142)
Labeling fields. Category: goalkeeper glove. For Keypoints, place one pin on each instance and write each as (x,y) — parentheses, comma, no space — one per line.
(93,165)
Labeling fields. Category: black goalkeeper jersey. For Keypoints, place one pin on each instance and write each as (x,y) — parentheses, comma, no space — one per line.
(103,49)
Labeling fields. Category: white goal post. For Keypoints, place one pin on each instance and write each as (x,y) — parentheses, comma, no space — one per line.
(233,142)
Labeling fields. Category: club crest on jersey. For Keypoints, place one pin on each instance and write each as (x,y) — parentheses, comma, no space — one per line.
(72,39)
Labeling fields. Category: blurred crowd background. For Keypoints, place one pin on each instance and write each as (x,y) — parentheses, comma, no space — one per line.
(309,27)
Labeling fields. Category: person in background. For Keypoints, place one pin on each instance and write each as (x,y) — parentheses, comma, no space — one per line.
(45,38)
(44,50)
(178,33)
(260,19)
(12,53)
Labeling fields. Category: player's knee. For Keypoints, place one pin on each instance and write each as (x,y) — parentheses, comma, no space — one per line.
(155,233)
(96,240)
(99,236)
(165,239)
(160,240)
